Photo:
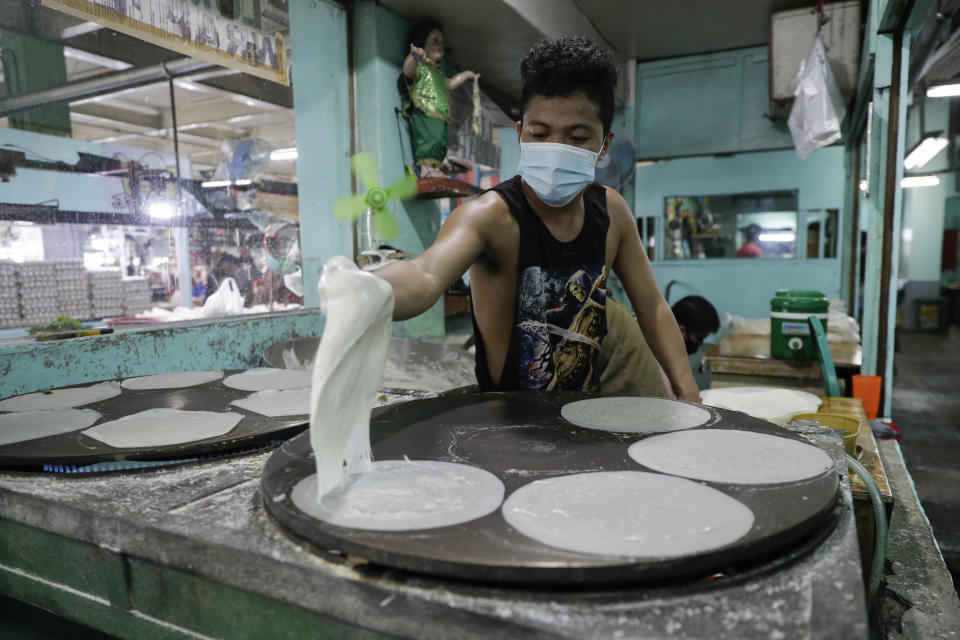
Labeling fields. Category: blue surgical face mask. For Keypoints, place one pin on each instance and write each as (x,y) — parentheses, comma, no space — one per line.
(556,172)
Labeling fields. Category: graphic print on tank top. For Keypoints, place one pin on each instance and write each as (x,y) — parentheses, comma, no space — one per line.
(560,315)
(560,323)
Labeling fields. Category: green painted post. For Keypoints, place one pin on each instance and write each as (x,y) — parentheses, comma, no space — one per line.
(31,64)
(379,43)
(318,33)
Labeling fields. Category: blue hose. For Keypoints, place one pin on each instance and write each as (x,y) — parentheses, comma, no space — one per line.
(880,514)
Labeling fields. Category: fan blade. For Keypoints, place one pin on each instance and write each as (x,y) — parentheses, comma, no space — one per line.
(385,224)
(347,208)
(403,189)
(365,168)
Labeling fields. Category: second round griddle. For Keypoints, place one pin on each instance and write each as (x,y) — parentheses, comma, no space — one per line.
(520,437)
(76,448)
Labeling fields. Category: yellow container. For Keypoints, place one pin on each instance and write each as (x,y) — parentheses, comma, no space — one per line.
(849,426)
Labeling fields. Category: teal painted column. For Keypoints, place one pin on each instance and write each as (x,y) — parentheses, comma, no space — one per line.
(876,203)
(379,41)
(872,209)
(891,285)
(318,33)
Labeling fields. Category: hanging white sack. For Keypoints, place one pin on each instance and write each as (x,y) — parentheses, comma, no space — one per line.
(818,108)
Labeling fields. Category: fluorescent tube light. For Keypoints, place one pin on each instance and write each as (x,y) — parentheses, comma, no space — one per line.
(919,181)
(284,154)
(944,91)
(243,182)
(925,150)
(785,236)
(213,184)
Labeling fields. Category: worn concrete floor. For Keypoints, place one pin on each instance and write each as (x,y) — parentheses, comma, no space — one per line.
(926,408)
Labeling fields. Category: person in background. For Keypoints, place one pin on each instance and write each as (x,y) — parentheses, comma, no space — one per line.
(751,248)
(626,363)
(199,289)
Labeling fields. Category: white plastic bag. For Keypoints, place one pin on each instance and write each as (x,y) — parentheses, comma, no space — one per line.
(225,301)
(818,108)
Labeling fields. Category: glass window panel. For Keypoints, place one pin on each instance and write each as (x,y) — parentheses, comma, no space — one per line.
(758,225)
(95,195)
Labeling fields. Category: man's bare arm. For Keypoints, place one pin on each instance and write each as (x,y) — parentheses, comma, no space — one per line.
(653,313)
(420,282)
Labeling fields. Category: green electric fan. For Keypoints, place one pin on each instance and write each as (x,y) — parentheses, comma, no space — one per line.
(373,202)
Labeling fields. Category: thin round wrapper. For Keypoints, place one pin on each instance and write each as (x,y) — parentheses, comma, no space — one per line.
(274,404)
(177,380)
(61,398)
(731,456)
(401,495)
(263,379)
(768,403)
(163,427)
(627,514)
(634,414)
(30,425)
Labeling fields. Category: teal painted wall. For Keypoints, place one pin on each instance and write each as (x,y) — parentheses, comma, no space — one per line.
(744,287)
(704,104)
(318,33)
(379,45)
(233,343)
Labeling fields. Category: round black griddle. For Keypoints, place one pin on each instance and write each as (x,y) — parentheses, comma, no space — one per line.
(254,430)
(520,437)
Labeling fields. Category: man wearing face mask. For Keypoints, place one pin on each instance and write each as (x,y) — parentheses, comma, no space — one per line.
(540,246)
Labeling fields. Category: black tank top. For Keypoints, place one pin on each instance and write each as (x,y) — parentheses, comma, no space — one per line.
(560,317)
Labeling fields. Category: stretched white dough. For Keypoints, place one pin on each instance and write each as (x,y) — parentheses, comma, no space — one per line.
(348,368)
(30,425)
(175,380)
(61,398)
(163,427)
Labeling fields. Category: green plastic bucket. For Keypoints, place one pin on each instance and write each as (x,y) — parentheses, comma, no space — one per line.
(790,337)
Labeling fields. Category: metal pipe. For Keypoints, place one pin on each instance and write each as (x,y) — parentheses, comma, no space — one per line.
(100,85)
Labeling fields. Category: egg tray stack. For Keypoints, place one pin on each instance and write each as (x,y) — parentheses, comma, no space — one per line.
(9,296)
(38,292)
(73,290)
(106,293)
(136,296)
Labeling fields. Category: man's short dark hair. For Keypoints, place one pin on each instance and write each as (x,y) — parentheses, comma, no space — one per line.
(696,315)
(563,66)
